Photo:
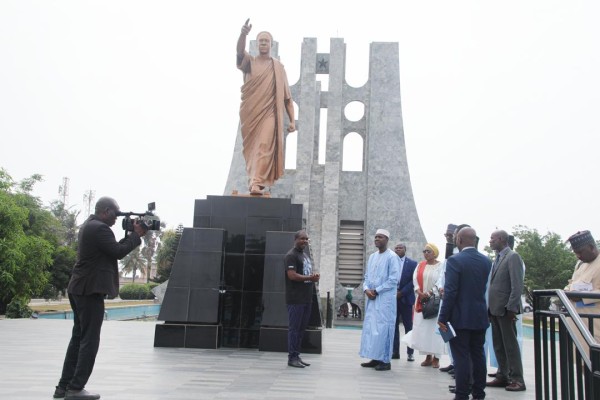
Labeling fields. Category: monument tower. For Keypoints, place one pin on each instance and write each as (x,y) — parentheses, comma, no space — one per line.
(343,209)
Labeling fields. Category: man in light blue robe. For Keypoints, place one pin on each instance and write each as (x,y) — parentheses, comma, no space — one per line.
(381,280)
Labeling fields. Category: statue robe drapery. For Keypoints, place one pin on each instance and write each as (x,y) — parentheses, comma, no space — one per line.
(261,117)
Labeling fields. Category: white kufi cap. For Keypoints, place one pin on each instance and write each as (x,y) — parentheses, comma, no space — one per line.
(383,232)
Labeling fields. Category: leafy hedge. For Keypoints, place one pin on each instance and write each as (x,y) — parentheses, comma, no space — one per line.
(136,291)
(18,308)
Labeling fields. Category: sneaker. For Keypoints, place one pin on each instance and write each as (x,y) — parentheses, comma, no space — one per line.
(59,393)
(410,357)
(80,395)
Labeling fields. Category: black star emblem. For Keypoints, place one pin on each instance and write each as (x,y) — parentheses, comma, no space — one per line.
(322,64)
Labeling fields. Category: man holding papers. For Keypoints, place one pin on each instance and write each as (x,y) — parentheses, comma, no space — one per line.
(465,308)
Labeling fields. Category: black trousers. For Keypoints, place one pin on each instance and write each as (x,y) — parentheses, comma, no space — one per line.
(404,312)
(298,316)
(469,362)
(88,314)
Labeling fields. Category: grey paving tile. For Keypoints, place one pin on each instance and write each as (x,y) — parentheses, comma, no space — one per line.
(129,367)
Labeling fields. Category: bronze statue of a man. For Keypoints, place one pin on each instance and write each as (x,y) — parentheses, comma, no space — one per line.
(265,94)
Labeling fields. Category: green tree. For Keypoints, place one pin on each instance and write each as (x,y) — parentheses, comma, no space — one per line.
(26,241)
(63,260)
(165,255)
(133,262)
(549,262)
(68,221)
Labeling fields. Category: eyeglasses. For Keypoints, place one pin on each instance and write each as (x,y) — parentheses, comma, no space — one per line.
(426,251)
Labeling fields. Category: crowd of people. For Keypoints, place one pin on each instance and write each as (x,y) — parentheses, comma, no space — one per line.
(480,297)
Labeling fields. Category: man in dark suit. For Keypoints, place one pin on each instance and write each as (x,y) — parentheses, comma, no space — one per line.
(465,308)
(405,300)
(95,276)
(506,288)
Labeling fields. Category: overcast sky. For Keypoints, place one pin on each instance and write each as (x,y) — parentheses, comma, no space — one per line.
(139,100)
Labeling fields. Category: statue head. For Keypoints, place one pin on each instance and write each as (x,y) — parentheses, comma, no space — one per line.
(265,41)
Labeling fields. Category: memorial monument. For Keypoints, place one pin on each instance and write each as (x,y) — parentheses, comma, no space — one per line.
(342,209)
(227,284)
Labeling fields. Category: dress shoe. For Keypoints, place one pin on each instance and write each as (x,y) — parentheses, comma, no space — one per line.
(371,364)
(80,395)
(447,369)
(59,392)
(410,357)
(295,363)
(395,356)
(452,389)
(493,375)
(516,387)
(497,383)
(383,367)
(303,362)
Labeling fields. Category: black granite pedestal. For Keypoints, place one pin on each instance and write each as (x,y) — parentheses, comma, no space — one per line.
(227,284)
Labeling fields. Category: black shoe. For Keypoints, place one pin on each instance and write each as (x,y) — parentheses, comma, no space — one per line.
(371,364)
(395,356)
(447,369)
(303,363)
(80,395)
(59,393)
(493,375)
(452,389)
(410,357)
(295,363)
(383,367)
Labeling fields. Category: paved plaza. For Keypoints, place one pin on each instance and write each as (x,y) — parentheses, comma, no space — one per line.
(129,367)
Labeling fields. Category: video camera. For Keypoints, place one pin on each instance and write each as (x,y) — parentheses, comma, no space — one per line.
(148,220)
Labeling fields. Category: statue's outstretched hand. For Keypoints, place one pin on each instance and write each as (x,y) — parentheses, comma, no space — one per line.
(247,27)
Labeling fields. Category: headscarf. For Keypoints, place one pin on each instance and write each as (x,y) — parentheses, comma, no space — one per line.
(433,248)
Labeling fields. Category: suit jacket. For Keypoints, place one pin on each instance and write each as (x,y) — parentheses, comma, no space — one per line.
(96,269)
(464,303)
(506,285)
(405,284)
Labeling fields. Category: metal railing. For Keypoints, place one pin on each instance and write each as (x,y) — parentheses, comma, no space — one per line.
(573,370)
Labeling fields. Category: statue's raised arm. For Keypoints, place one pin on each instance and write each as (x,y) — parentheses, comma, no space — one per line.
(241,44)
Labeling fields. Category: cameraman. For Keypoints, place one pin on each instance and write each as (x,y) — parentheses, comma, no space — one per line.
(95,276)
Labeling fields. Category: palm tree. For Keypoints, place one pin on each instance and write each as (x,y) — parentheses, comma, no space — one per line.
(133,262)
(151,242)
